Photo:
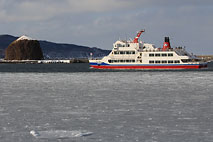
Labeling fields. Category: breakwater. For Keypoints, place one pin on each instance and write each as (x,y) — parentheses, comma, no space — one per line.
(68,61)
(206,58)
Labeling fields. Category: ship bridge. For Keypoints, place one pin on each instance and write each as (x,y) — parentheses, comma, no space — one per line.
(126,45)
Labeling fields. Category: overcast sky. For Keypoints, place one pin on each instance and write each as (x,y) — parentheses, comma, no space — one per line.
(99,23)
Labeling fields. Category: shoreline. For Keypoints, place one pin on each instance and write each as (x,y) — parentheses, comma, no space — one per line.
(206,58)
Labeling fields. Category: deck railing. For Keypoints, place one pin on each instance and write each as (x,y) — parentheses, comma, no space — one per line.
(161,50)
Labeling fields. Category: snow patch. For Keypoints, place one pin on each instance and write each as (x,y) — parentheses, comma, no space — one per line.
(24,37)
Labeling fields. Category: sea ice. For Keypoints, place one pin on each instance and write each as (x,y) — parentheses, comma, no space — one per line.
(59,134)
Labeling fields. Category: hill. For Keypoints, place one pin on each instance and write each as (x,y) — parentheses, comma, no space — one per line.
(53,50)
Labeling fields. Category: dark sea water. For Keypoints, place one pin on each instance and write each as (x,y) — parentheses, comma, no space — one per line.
(73,103)
(77,67)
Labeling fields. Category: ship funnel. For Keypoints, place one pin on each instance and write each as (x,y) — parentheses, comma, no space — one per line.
(138,35)
(166,44)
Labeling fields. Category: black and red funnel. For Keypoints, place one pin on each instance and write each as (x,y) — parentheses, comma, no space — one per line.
(166,44)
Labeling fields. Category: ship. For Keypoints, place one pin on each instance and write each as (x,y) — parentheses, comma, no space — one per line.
(135,54)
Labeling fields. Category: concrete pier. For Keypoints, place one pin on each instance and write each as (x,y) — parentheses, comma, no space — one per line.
(68,61)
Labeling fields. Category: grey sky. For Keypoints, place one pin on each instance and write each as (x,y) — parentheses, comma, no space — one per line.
(99,23)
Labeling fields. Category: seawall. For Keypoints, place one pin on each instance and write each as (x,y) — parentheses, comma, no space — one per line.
(81,60)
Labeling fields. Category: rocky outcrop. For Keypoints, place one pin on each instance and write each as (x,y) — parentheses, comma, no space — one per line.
(24,48)
(53,50)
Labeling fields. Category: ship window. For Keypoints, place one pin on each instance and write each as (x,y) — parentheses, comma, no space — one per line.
(127,61)
(151,62)
(170,61)
(127,52)
(151,55)
(170,54)
(177,61)
(133,61)
(164,62)
(110,61)
(119,45)
(157,55)
(116,52)
(121,61)
(140,54)
(164,55)
(128,45)
(121,52)
(115,61)
(157,62)
(132,52)
(185,60)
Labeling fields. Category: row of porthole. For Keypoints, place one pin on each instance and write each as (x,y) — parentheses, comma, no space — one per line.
(119,45)
(164,62)
(160,55)
(123,52)
(121,61)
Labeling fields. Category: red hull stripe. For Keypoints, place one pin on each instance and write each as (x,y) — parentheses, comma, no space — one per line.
(148,67)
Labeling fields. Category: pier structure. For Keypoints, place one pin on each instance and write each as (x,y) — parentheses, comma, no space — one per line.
(67,61)
(206,58)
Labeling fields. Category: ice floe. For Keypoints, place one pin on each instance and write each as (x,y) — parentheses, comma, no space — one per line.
(59,134)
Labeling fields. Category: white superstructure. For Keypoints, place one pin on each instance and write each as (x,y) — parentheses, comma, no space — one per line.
(138,55)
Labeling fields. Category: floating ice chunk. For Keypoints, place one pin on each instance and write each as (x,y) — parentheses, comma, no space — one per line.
(150,118)
(34,133)
(187,118)
(121,110)
(59,134)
